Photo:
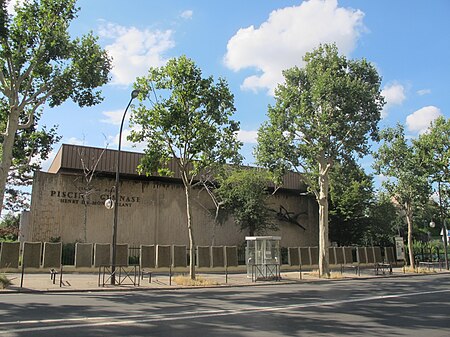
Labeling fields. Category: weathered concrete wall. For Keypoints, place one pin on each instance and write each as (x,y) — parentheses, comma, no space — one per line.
(52,255)
(203,256)
(148,256)
(231,256)
(151,213)
(31,255)
(9,255)
(83,254)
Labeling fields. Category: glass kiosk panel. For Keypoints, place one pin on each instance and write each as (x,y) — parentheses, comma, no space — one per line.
(263,257)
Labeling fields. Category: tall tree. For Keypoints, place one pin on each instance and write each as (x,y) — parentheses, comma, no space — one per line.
(244,193)
(324,113)
(434,147)
(188,121)
(406,182)
(40,64)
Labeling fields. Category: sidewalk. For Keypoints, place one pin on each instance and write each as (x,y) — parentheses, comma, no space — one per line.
(74,281)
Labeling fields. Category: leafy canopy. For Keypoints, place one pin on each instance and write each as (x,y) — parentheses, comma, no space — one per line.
(351,196)
(244,193)
(400,162)
(325,111)
(41,64)
(434,151)
(40,61)
(188,120)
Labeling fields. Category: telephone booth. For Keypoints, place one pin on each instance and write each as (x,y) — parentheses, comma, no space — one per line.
(263,258)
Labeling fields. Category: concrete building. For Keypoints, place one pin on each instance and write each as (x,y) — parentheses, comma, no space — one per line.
(68,203)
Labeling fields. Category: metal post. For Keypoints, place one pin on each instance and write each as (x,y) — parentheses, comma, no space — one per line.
(445,244)
(134,94)
(23,271)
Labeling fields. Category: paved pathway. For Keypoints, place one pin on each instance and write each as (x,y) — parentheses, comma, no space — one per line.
(74,281)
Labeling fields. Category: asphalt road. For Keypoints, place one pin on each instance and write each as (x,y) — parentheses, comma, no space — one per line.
(413,306)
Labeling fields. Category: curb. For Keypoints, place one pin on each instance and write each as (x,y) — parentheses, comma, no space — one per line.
(170,288)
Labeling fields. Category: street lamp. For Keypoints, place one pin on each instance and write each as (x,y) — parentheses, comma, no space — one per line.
(115,205)
(444,231)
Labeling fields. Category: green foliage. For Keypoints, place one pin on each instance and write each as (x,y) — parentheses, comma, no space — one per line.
(189,120)
(351,195)
(384,222)
(32,146)
(3,18)
(9,227)
(40,64)
(325,112)
(243,193)
(46,62)
(400,163)
(434,150)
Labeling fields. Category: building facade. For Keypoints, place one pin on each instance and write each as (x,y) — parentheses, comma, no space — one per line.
(68,204)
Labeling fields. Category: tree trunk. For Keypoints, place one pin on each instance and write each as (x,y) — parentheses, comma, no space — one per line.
(85,219)
(410,235)
(7,152)
(324,269)
(187,189)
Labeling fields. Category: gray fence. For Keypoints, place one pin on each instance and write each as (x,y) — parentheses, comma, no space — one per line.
(87,255)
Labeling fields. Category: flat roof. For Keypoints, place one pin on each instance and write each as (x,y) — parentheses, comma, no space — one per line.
(77,158)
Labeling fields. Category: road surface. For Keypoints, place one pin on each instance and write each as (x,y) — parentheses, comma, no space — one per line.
(400,306)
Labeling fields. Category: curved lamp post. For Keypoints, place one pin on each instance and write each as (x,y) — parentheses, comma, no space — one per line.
(445,232)
(115,203)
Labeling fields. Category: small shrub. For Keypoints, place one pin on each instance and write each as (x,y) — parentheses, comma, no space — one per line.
(4,281)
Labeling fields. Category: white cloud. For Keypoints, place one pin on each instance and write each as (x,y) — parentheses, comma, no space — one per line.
(394,94)
(187,14)
(246,136)
(113,117)
(420,120)
(381,178)
(423,92)
(76,141)
(281,41)
(126,144)
(134,51)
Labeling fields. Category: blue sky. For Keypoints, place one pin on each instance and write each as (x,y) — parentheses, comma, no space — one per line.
(249,43)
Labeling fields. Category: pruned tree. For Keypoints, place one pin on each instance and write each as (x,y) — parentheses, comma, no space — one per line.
(84,183)
(406,177)
(324,113)
(188,121)
(41,65)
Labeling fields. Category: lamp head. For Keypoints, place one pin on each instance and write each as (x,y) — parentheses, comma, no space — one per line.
(134,94)
(109,204)
(432,224)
